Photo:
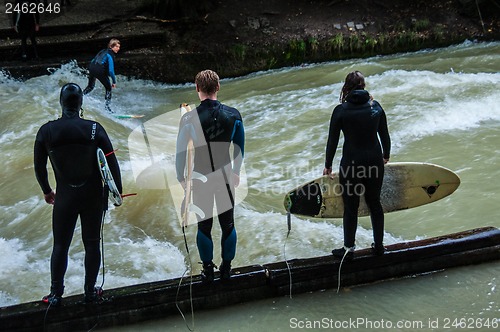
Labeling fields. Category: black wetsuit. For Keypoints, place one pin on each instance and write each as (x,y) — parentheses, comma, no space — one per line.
(71,143)
(25,23)
(363,122)
(213,127)
(102,67)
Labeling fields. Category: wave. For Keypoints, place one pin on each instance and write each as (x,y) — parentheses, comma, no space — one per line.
(286,115)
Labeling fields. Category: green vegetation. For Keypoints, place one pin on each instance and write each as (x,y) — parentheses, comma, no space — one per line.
(313,45)
(403,35)
(271,63)
(239,51)
(337,43)
(296,51)
(355,44)
(421,25)
(438,32)
(240,58)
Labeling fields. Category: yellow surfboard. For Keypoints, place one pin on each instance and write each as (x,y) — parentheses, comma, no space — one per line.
(406,185)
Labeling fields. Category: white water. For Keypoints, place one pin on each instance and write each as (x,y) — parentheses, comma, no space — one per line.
(442,107)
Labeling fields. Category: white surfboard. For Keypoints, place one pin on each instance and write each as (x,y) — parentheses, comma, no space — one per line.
(406,185)
(107,178)
(188,209)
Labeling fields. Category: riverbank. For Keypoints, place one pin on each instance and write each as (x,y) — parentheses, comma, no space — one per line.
(443,109)
(238,37)
(157,300)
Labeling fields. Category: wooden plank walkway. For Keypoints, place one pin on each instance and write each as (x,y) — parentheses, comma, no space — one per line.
(156,300)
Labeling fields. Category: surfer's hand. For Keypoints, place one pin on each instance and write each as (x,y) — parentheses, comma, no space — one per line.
(386,161)
(183,184)
(327,171)
(50,198)
(236,180)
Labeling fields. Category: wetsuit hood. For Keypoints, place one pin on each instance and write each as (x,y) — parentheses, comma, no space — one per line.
(358,97)
(71,98)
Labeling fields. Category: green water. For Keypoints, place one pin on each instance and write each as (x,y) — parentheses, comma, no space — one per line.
(442,107)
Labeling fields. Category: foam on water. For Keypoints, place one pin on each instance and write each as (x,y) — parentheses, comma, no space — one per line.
(19,262)
(308,238)
(127,262)
(459,102)
(286,115)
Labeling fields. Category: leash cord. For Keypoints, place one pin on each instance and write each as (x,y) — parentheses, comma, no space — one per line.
(340,267)
(102,248)
(189,267)
(289,223)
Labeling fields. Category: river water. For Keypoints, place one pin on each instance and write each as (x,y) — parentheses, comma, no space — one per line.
(442,107)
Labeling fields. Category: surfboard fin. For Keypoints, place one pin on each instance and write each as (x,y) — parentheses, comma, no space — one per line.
(193,208)
(431,190)
(199,176)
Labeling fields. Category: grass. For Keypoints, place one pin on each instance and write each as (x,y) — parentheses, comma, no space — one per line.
(239,51)
(421,33)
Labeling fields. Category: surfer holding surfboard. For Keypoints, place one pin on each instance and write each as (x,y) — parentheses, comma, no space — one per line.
(366,149)
(212,172)
(70,143)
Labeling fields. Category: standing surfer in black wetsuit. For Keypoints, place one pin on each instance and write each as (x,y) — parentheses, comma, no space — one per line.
(213,127)
(26,23)
(363,122)
(102,67)
(70,143)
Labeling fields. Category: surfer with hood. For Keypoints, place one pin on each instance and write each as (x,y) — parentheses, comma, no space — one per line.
(366,149)
(102,67)
(70,143)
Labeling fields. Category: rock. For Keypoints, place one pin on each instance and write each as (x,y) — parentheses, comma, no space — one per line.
(253,23)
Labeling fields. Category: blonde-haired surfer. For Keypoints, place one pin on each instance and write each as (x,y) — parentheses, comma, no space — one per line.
(212,127)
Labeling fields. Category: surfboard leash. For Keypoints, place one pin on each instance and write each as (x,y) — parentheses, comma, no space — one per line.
(102,250)
(105,204)
(110,153)
(346,251)
(45,317)
(289,224)
(190,268)
(99,290)
(105,207)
